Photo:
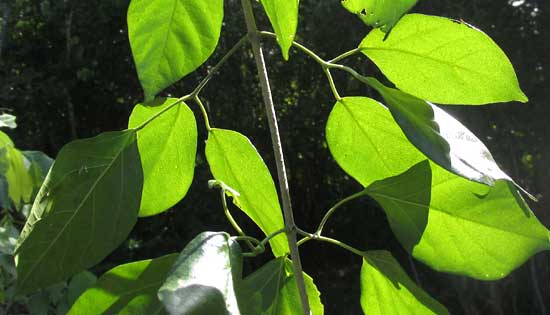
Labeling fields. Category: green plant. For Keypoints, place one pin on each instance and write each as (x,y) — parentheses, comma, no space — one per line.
(446,199)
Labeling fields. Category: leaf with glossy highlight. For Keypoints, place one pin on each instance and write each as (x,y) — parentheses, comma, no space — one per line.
(86,207)
(443,61)
(283,16)
(127,289)
(387,289)
(458,226)
(366,142)
(379,13)
(441,137)
(203,279)
(168,147)
(171,38)
(234,160)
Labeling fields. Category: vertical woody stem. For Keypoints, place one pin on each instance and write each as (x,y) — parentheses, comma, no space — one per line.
(278,151)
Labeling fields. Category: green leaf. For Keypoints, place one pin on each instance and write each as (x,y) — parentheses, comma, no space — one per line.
(366,142)
(78,285)
(288,300)
(379,13)
(458,226)
(234,160)
(12,164)
(284,19)
(171,38)
(40,165)
(167,146)
(127,289)
(261,288)
(443,61)
(203,279)
(387,289)
(86,207)
(441,137)
(7,121)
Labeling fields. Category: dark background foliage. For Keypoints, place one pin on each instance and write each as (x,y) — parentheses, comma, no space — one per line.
(66,71)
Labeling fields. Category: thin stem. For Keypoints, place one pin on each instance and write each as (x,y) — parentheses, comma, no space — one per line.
(204,113)
(217,67)
(335,207)
(304,240)
(195,93)
(278,151)
(272,235)
(332,84)
(232,220)
(341,244)
(345,55)
(316,237)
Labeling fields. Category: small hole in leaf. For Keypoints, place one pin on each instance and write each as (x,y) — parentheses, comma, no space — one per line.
(363,12)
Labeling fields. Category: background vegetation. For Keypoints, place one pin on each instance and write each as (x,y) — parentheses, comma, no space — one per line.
(66,71)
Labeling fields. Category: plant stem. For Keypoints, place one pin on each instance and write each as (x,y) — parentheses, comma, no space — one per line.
(332,84)
(335,207)
(309,236)
(345,55)
(278,151)
(203,111)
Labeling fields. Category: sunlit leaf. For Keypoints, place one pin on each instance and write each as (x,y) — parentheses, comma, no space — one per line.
(129,289)
(443,61)
(167,146)
(366,142)
(387,289)
(86,208)
(171,38)
(12,165)
(441,137)
(458,226)
(284,19)
(203,279)
(234,160)
(379,13)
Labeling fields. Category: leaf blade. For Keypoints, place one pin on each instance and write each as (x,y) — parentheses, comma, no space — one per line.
(387,289)
(458,226)
(234,160)
(167,147)
(378,13)
(171,38)
(101,174)
(129,288)
(283,16)
(442,138)
(443,61)
(203,278)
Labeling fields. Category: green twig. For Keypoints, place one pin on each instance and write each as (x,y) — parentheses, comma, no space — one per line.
(335,207)
(203,111)
(345,55)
